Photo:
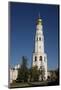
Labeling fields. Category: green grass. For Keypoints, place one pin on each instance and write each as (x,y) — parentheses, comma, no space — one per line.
(17,85)
(32,84)
(25,84)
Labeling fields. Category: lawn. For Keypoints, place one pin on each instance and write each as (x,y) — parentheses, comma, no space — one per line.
(32,84)
(17,85)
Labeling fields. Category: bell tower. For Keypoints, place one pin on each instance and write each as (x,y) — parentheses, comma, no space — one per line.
(39,55)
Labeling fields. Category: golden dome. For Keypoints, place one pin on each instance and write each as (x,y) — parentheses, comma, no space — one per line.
(39,20)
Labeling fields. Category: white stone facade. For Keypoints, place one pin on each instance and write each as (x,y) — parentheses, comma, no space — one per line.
(39,55)
(14,73)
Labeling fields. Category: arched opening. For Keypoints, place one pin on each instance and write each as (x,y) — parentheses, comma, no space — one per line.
(40,58)
(35,58)
(40,38)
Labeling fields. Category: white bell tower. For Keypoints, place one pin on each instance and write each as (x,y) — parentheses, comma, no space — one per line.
(39,55)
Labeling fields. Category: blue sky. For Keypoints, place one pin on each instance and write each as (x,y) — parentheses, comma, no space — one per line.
(23,27)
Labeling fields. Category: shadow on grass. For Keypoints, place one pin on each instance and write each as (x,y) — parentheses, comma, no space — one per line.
(33,84)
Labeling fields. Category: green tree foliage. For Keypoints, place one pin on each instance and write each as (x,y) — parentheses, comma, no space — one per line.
(54,76)
(35,74)
(23,71)
(42,73)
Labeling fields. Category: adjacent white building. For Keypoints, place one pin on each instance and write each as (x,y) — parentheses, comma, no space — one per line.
(39,55)
(14,73)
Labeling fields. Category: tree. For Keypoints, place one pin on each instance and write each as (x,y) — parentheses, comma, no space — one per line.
(42,73)
(23,71)
(35,73)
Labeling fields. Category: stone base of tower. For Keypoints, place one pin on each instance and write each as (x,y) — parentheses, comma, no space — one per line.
(40,60)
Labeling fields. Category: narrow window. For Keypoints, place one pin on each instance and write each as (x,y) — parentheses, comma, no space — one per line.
(37,38)
(40,38)
(35,58)
(40,58)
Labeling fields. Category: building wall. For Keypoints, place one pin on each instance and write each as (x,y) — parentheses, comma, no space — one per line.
(39,48)
(13,75)
(40,63)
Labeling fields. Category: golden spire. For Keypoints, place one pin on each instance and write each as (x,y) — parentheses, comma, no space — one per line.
(39,20)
